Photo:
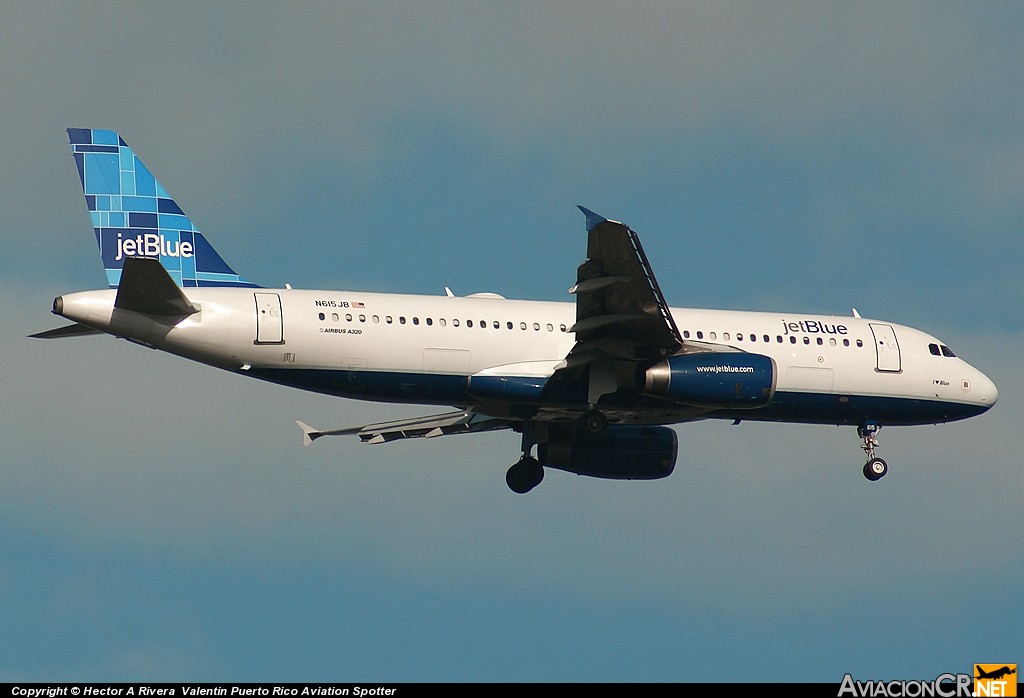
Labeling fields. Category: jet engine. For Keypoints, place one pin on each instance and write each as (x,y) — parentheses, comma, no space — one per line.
(620,453)
(713,379)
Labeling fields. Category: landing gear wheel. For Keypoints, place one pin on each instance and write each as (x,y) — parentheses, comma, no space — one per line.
(593,423)
(524,475)
(875,469)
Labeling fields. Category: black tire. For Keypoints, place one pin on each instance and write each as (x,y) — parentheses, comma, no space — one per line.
(875,469)
(524,475)
(592,423)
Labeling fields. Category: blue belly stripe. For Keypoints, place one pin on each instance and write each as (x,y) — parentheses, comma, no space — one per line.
(439,389)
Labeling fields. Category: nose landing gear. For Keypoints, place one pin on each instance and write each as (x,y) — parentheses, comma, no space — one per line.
(875,468)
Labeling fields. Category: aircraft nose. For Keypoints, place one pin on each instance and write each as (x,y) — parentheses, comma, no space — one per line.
(984,390)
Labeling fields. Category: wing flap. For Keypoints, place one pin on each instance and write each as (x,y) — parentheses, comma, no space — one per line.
(595,322)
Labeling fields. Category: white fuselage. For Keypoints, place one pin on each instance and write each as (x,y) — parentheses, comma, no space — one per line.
(426,349)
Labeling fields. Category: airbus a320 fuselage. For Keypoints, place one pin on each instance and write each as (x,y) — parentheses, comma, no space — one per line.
(590,385)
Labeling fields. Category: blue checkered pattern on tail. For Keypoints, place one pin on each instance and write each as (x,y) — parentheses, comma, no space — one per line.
(133,216)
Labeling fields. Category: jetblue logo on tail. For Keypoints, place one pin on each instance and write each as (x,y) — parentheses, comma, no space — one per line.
(151,245)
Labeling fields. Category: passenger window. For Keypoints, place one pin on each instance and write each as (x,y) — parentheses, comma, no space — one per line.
(415,321)
(348,317)
(792,339)
(820,341)
(846,342)
(455,322)
(739,336)
(509,325)
(860,342)
(522,325)
(767,338)
(563,328)
(778,338)
(376,319)
(700,334)
(686,334)
(362,318)
(322,316)
(725,336)
(442,322)
(387,319)
(536,327)
(551,327)
(429,321)
(497,325)
(334,317)
(753,338)
(401,319)
(469,323)
(832,341)
(807,340)
(712,335)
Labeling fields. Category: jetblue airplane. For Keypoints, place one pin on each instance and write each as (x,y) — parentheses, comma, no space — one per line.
(589,385)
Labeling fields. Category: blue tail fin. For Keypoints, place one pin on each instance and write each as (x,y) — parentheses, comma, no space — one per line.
(133,215)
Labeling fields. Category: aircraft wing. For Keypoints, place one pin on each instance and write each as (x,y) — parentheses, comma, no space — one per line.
(459,422)
(620,310)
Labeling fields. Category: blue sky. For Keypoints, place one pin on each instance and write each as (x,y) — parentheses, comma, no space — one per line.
(160,521)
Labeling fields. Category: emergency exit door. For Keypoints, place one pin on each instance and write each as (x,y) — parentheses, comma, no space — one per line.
(269,323)
(887,349)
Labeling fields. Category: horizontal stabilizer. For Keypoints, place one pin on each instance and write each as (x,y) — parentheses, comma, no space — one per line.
(310,434)
(147,288)
(75,330)
(432,426)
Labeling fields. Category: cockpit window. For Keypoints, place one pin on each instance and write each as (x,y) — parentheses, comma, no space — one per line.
(934,349)
(946,351)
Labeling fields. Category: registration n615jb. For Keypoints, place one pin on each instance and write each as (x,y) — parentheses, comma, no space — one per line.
(589,385)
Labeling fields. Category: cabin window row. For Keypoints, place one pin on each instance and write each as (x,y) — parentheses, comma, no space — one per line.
(779,339)
(443,322)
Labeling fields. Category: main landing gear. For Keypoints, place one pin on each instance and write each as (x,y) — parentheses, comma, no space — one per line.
(528,472)
(875,468)
(524,475)
(592,423)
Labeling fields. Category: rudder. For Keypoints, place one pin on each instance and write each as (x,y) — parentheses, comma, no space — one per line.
(134,216)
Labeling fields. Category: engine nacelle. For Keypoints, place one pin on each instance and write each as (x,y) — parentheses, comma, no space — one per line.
(621,453)
(714,379)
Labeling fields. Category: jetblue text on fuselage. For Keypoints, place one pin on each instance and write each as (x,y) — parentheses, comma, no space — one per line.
(151,245)
(812,327)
